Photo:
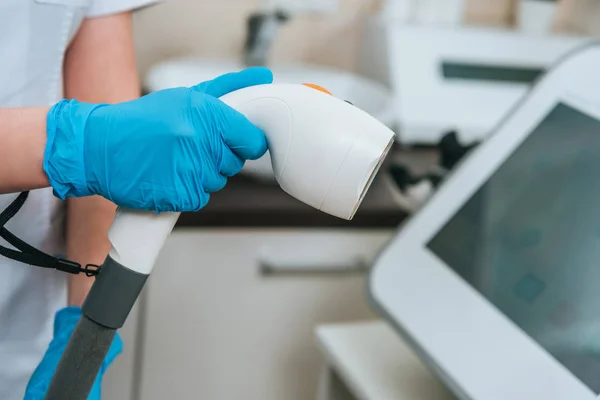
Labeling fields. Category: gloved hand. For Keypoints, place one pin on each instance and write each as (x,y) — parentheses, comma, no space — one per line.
(165,151)
(64,324)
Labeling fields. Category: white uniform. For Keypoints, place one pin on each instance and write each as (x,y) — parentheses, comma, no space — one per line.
(35,34)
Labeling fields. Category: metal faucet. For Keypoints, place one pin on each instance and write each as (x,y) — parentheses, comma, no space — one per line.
(261,32)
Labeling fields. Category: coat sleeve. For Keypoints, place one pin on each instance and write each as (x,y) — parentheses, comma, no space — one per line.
(100,8)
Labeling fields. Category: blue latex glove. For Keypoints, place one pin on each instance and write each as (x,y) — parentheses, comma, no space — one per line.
(64,324)
(165,151)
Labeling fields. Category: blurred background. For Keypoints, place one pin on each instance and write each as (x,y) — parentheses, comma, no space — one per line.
(240,303)
(329,33)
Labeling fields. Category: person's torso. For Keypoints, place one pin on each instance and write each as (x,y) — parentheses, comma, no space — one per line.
(35,34)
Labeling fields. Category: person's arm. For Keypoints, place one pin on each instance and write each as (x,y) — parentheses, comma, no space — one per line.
(23,138)
(99,68)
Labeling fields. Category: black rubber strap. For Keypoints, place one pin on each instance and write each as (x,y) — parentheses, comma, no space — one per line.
(28,254)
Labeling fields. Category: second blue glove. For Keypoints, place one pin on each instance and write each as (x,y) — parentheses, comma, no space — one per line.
(165,151)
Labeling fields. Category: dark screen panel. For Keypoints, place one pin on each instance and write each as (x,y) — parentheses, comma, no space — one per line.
(497,73)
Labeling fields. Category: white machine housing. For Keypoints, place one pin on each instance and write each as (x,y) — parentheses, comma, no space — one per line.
(477,350)
(325,153)
(419,62)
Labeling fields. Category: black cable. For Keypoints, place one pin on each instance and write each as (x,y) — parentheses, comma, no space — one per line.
(81,361)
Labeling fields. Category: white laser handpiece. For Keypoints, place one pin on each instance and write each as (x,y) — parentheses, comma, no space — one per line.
(325,152)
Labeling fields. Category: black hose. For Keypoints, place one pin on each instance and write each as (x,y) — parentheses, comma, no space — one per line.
(105,310)
(81,361)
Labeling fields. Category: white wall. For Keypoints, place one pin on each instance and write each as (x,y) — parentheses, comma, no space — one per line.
(216,28)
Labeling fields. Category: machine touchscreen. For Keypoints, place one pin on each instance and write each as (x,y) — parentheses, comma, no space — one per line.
(529,240)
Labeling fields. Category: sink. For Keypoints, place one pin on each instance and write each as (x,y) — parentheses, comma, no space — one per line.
(368,95)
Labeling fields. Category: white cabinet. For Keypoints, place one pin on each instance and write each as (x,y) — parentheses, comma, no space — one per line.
(217,327)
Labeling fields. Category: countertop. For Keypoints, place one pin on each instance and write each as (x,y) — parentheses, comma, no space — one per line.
(247,202)
(375,362)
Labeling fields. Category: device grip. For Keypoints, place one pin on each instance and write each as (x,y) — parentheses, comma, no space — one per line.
(113,294)
(136,237)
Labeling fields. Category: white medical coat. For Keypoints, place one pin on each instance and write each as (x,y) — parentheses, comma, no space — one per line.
(34,35)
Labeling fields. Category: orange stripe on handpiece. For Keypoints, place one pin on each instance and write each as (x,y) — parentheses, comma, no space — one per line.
(317,87)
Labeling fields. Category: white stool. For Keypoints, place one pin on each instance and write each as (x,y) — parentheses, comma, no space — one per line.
(369,361)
